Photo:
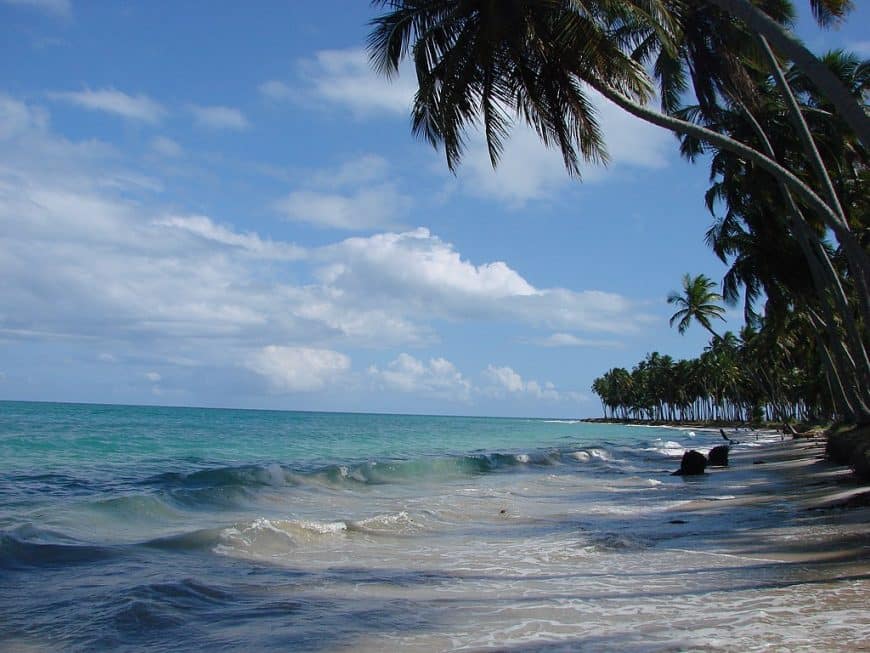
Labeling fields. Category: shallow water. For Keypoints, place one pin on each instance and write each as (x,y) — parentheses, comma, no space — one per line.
(157,529)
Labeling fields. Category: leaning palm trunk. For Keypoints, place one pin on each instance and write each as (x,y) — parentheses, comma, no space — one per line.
(861,261)
(784,41)
(861,279)
(852,362)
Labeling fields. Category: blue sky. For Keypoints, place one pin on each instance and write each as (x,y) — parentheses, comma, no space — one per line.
(225,207)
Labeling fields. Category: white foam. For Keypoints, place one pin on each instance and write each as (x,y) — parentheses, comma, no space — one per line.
(582,456)
(522,458)
(668,448)
(276,474)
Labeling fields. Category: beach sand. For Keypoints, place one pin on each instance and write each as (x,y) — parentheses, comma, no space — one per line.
(763,555)
(826,508)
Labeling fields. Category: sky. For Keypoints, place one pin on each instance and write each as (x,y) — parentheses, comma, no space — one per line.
(221,205)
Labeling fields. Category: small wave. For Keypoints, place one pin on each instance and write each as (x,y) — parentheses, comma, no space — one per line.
(246,475)
(28,548)
(264,537)
(617,543)
(399,523)
(667,448)
(137,506)
(274,537)
(160,606)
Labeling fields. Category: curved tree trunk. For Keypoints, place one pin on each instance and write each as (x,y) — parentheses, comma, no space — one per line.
(804,192)
(861,279)
(789,45)
(854,361)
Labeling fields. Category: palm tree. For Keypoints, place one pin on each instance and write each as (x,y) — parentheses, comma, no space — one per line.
(696,303)
(826,12)
(479,61)
(490,63)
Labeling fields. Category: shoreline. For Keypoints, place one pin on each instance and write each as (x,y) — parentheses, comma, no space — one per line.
(825,508)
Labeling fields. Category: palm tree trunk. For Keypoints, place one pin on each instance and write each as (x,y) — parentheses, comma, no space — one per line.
(855,362)
(812,152)
(840,395)
(786,42)
(828,215)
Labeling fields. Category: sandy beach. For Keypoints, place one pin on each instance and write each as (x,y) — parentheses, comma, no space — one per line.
(825,508)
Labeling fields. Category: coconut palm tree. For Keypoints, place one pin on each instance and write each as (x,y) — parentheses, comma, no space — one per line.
(696,303)
(478,61)
(826,12)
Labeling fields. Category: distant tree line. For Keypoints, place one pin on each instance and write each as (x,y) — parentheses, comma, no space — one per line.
(750,378)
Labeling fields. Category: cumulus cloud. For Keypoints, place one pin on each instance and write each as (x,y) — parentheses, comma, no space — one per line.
(346,78)
(357,195)
(298,369)
(417,273)
(132,107)
(438,378)
(205,228)
(154,377)
(505,382)
(218,117)
(81,259)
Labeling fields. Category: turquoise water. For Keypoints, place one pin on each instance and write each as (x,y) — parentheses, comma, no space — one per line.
(162,529)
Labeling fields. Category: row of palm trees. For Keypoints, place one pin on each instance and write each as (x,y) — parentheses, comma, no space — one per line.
(786,133)
(762,375)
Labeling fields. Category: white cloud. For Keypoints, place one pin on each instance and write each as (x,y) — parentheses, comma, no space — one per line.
(345,78)
(356,195)
(17,118)
(132,107)
(57,8)
(437,378)
(298,369)
(166,147)
(367,208)
(217,117)
(505,382)
(570,340)
(105,357)
(82,260)
(154,377)
(203,227)
(364,169)
(276,90)
(417,273)
(527,170)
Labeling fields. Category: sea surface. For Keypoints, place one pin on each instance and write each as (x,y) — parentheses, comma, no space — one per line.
(167,529)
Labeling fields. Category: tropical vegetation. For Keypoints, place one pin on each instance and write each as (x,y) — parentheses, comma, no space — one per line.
(785,132)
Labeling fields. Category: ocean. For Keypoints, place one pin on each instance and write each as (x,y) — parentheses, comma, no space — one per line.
(128,528)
